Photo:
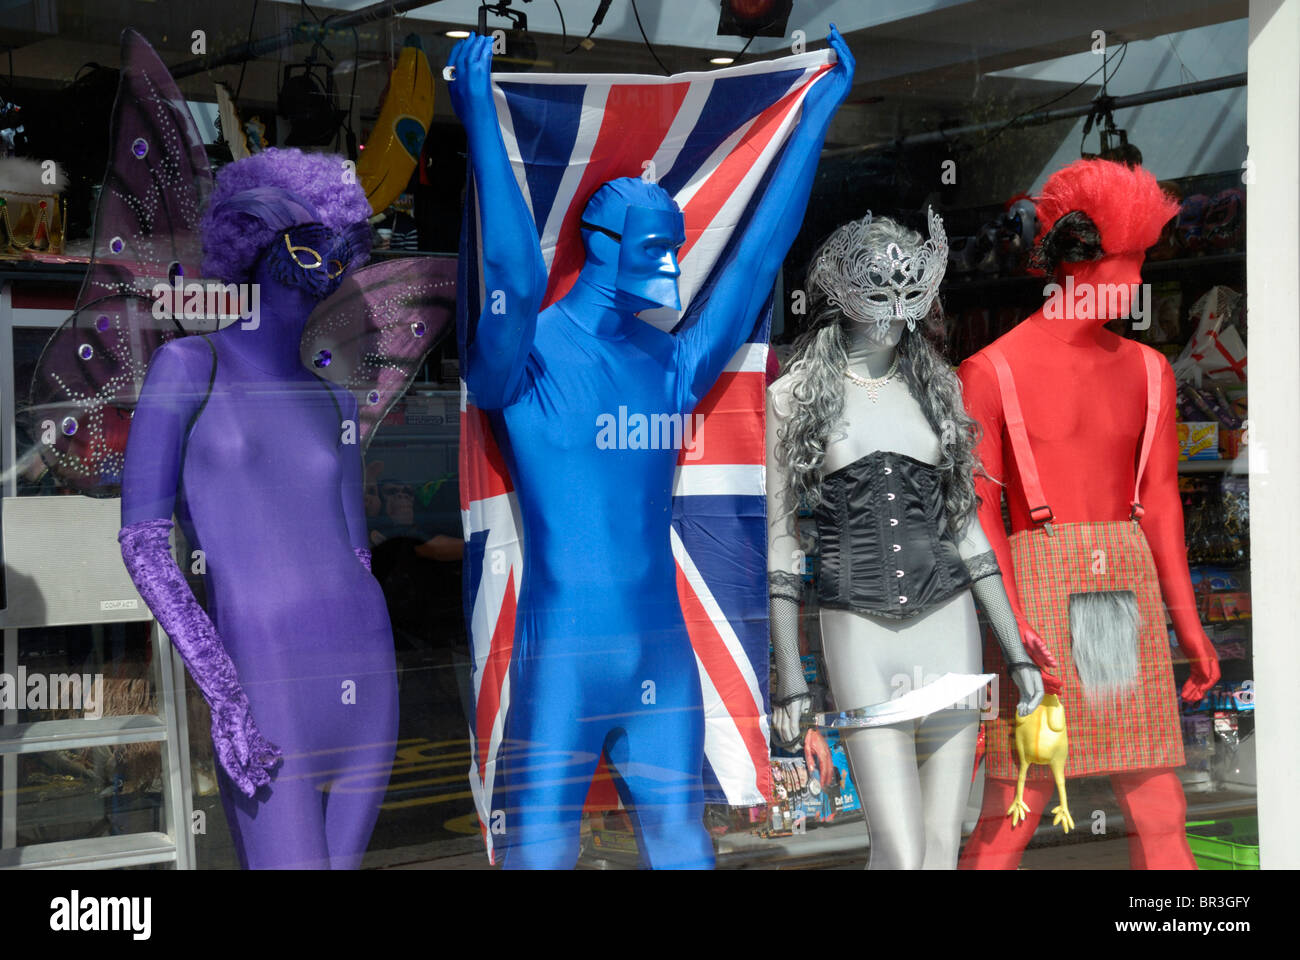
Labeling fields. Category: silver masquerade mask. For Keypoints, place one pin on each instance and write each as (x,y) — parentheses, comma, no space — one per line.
(881,286)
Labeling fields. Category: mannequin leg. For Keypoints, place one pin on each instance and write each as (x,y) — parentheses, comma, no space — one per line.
(945,749)
(883,761)
(548,772)
(283,826)
(359,774)
(1155,811)
(995,844)
(657,755)
(656,761)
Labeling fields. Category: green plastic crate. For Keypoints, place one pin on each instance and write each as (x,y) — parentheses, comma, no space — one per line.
(1231,844)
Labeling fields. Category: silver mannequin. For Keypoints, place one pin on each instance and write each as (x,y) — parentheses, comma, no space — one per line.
(913,777)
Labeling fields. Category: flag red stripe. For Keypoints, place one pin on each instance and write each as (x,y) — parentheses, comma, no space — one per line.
(637,118)
(723,673)
(483,472)
(494,674)
(733,429)
(709,199)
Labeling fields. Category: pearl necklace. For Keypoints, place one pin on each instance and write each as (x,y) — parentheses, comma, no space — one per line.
(873,384)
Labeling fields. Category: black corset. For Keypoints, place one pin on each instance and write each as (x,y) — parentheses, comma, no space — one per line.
(885,545)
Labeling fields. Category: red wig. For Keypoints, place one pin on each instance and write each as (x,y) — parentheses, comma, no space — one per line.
(1127,205)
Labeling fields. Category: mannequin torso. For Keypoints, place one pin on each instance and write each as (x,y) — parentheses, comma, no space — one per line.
(254,461)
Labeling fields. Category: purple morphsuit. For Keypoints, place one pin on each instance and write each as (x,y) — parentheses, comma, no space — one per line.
(256,455)
(261,462)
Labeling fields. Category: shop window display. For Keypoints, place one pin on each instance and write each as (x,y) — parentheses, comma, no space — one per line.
(1056,667)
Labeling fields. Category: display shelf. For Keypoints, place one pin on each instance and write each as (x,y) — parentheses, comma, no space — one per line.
(1239,465)
(128,850)
(43,735)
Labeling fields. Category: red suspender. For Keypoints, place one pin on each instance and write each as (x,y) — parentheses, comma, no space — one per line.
(1039,511)
(1152,362)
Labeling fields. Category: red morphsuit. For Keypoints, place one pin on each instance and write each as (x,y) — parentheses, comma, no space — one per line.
(1083,393)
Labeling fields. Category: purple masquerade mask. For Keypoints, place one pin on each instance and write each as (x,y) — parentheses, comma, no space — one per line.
(314,257)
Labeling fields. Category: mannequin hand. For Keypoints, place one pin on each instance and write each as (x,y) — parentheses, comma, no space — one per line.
(1205,674)
(817,755)
(471,88)
(1036,647)
(785,718)
(246,755)
(828,93)
(1038,651)
(1030,684)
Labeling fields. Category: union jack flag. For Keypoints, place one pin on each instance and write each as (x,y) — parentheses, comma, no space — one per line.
(711,140)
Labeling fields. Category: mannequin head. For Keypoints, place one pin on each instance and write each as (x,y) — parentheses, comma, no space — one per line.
(822,355)
(289,218)
(881,275)
(1096,220)
(631,231)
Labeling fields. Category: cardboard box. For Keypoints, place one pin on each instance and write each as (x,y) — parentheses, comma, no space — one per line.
(1198,440)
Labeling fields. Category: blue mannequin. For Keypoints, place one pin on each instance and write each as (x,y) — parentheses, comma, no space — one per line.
(602,660)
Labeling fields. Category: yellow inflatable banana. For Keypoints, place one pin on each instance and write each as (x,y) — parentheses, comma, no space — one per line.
(393,150)
(231,127)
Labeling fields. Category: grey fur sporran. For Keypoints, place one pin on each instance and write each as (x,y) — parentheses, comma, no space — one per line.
(1103,641)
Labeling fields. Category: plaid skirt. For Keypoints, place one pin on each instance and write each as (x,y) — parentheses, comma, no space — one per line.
(1137,729)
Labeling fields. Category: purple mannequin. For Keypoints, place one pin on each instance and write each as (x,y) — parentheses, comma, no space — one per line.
(261,463)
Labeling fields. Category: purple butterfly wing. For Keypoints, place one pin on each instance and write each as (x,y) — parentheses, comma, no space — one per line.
(146,232)
(373,334)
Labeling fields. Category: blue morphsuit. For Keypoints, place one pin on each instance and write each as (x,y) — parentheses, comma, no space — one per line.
(601,658)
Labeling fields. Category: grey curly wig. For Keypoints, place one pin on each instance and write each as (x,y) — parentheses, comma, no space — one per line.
(816,378)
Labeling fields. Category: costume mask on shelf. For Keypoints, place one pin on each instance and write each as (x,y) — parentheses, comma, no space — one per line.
(883,287)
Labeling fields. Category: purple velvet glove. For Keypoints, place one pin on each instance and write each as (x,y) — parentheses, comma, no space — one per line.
(364,556)
(246,755)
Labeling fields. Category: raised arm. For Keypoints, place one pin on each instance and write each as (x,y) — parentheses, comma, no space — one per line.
(1162,523)
(729,316)
(514,275)
(175,389)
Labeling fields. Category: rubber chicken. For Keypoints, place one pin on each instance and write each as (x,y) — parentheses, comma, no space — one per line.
(1041,738)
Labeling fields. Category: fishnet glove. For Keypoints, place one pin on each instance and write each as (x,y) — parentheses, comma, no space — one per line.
(790,694)
(991,594)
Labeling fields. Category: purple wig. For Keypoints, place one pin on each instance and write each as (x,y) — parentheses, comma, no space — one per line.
(236,229)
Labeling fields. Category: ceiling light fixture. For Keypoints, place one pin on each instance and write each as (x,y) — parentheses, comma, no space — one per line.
(458,34)
(722,61)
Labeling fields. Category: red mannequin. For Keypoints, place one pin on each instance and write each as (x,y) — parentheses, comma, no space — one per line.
(1083,393)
